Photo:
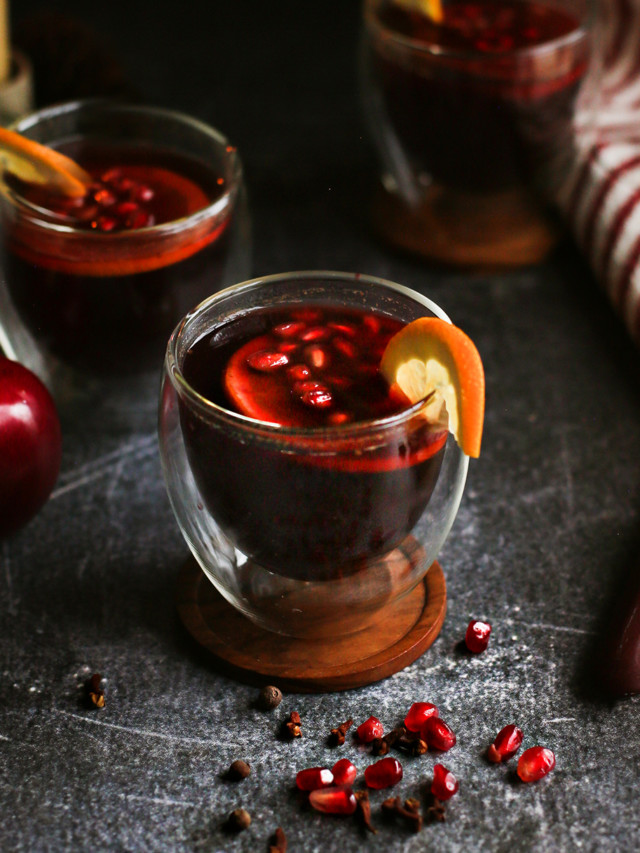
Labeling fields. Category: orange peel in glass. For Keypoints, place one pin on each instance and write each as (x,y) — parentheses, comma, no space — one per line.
(37,164)
(432,358)
(430,8)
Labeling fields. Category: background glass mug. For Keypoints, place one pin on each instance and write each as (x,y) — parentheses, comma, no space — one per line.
(97,287)
(470,117)
(304,530)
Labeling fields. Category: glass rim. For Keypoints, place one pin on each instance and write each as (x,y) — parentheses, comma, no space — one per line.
(34,213)
(373,22)
(207,407)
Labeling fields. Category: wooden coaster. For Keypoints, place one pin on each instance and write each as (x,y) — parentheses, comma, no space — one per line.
(503,231)
(400,633)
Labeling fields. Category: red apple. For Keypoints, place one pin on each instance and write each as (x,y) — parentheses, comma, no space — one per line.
(30,445)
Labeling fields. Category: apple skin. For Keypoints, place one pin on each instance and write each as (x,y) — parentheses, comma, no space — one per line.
(30,445)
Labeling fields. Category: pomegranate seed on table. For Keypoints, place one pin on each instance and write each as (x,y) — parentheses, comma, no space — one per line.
(444,784)
(340,800)
(418,714)
(344,772)
(384,773)
(370,730)
(507,742)
(477,637)
(437,734)
(535,762)
(266,360)
(314,778)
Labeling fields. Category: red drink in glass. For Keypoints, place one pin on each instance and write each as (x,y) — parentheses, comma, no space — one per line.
(328,511)
(100,282)
(473,115)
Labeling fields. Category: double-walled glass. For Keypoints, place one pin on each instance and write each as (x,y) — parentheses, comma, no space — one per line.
(306,530)
(471,133)
(79,299)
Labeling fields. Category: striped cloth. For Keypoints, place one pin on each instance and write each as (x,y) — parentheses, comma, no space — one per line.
(601,195)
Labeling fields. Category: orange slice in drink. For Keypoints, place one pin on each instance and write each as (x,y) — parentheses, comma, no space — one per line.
(433,357)
(430,8)
(36,164)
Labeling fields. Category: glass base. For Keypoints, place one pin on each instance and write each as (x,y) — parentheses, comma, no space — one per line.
(401,632)
(342,606)
(483,231)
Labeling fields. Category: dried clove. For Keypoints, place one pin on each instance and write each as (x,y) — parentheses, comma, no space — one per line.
(269,698)
(364,810)
(382,745)
(94,691)
(238,820)
(279,841)
(292,727)
(238,770)
(409,812)
(436,811)
(337,736)
(412,745)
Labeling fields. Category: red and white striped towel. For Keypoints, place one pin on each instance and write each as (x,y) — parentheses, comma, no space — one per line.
(601,196)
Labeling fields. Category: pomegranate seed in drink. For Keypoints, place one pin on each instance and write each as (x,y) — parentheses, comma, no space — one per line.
(340,800)
(535,762)
(418,714)
(370,730)
(288,330)
(477,636)
(505,745)
(314,778)
(346,348)
(316,333)
(298,372)
(444,784)
(316,357)
(384,773)
(437,734)
(318,398)
(266,360)
(344,772)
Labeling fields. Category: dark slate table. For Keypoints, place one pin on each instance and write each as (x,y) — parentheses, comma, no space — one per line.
(548,523)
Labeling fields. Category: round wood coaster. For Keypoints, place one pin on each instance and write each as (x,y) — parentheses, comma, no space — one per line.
(400,633)
(503,231)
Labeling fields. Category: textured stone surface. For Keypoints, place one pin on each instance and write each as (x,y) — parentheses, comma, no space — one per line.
(548,523)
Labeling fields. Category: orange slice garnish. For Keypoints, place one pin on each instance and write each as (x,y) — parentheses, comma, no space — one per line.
(433,357)
(429,8)
(36,164)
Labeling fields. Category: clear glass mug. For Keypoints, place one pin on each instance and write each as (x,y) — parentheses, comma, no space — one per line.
(306,531)
(471,142)
(76,301)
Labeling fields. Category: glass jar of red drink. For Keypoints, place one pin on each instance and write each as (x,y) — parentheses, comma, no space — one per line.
(472,114)
(315,500)
(95,285)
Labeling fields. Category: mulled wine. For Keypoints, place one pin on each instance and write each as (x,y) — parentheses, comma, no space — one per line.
(100,281)
(336,495)
(483,99)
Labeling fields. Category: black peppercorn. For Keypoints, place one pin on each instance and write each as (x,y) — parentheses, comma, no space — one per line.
(270,697)
(238,770)
(239,819)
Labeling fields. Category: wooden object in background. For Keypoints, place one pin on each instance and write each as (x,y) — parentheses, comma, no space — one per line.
(399,634)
